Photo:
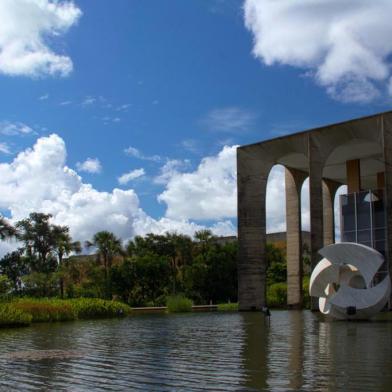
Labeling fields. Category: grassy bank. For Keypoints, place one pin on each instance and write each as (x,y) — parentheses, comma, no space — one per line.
(178,304)
(22,312)
(229,307)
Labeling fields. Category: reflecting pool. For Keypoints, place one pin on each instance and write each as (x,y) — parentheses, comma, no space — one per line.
(200,352)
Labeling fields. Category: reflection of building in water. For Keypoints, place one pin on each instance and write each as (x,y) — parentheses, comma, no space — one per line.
(356,153)
(352,356)
(296,350)
(255,351)
(274,353)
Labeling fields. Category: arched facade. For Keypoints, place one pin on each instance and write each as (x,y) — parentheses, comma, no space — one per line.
(320,154)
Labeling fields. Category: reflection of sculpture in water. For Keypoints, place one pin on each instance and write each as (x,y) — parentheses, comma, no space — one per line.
(344,281)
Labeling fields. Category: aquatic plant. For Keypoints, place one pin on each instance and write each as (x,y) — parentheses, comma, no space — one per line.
(233,306)
(178,304)
(45,310)
(11,316)
(48,310)
(88,308)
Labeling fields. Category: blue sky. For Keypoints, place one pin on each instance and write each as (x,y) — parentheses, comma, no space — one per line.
(176,81)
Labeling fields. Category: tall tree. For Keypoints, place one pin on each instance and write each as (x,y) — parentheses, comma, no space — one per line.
(38,237)
(63,246)
(108,246)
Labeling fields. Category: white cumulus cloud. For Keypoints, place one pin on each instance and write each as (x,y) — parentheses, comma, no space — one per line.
(38,179)
(132,175)
(90,165)
(344,44)
(26,28)
(170,169)
(207,193)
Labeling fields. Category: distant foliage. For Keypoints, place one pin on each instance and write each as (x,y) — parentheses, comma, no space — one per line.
(178,304)
(277,295)
(228,307)
(142,273)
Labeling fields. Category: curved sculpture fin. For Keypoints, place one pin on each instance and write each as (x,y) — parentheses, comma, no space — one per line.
(366,260)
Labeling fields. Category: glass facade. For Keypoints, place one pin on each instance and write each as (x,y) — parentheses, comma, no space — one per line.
(363,220)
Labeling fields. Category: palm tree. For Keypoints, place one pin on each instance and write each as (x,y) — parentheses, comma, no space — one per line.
(6,230)
(204,238)
(108,246)
(63,246)
(181,249)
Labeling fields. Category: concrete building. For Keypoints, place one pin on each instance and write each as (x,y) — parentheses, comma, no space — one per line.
(278,239)
(357,153)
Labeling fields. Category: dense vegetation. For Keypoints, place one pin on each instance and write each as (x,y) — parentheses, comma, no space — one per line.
(153,270)
(144,272)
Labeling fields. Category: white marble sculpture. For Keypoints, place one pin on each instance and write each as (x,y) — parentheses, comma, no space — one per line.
(343,281)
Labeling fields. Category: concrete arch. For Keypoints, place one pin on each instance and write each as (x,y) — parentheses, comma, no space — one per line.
(311,152)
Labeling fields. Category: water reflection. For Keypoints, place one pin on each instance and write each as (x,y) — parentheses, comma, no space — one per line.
(298,351)
(255,350)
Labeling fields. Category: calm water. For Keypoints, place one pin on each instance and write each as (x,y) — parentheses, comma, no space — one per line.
(200,352)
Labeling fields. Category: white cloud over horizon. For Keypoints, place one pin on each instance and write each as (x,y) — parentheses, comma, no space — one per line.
(90,165)
(207,193)
(26,28)
(344,45)
(37,179)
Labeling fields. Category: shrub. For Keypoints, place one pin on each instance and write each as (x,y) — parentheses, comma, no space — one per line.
(87,308)
(277,295)
(12,316)
(178,304)
(44,310)
(228,307)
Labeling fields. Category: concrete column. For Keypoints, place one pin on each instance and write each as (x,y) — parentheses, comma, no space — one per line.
(386,131)
(294,180)
(329,192)
(316,164)
(252,175)
(353,171)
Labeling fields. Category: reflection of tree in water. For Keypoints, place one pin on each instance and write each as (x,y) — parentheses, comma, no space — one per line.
(36,356)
